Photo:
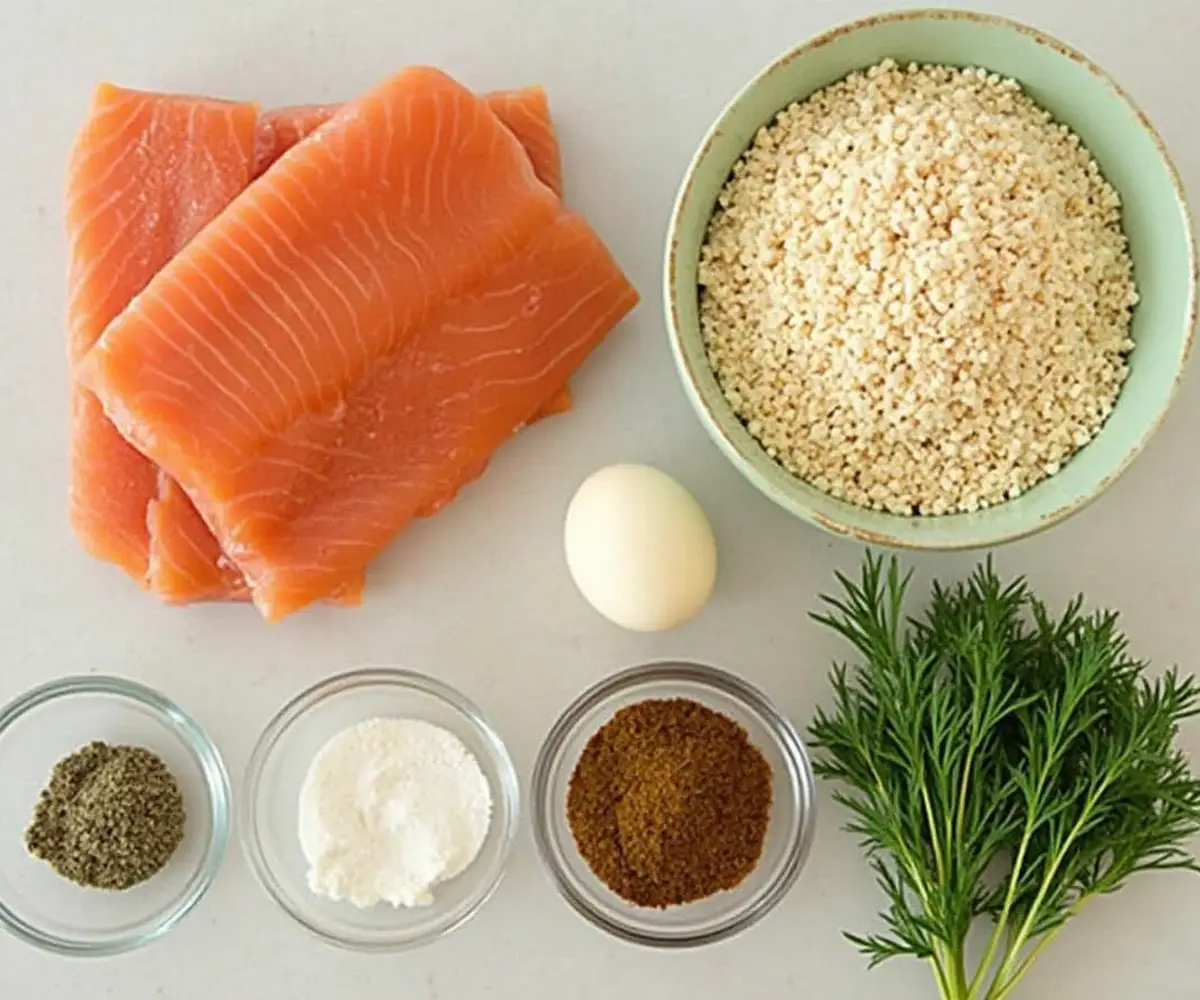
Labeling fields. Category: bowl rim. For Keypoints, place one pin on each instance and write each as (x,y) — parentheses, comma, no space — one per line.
(750,698)
(311,698)
(779,491)
(216,781)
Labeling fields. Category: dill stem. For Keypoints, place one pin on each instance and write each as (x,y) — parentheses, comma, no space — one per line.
(939,974)
(993,944)
(960,817)
(960,972)
(938,857)
(938,960)
(1009,984)
(1051,870)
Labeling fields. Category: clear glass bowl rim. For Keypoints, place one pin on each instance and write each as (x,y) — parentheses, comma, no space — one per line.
(216,781)
(311,697)
(755,703)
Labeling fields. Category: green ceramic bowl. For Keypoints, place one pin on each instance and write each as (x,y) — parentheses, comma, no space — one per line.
(1130,154)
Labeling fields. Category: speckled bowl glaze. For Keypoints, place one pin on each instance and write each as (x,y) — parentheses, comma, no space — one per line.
(1130,154)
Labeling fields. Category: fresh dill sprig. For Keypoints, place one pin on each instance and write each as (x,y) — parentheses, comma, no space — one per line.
(987,735)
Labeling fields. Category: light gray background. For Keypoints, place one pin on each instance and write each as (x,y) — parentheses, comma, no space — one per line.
(480,595)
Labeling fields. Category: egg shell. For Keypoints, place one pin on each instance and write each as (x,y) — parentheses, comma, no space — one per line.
(640,548)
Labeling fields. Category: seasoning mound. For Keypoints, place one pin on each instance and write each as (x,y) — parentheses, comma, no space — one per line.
(669,803)
(391,808)
(110,818)
(915,291)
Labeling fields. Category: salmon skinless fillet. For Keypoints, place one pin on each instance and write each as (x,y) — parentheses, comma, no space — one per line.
(526,113)
(346,345)
(146,173)
(123,508)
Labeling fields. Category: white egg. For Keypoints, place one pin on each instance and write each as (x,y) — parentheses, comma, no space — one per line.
(640,548)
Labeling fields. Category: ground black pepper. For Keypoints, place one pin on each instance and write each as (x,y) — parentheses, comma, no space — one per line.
(670,802)
(110,817)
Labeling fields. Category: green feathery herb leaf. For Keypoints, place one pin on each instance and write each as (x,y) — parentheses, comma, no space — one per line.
(997,762)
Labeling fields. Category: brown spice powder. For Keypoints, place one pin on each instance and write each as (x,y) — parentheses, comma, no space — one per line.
(670,802)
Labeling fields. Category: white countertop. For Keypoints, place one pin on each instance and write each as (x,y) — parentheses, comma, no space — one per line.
(480,595)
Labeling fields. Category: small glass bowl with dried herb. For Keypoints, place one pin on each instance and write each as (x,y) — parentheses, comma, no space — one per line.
(114,818)
(673,805)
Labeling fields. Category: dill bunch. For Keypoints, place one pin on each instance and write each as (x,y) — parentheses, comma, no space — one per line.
(998,763)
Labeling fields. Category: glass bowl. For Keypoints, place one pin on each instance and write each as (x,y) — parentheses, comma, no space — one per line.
(46,724)
(270,809)
(789,833)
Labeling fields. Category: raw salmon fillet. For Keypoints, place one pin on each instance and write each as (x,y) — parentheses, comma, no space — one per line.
(526,113)
(345,345)
(186,563)
(123,508)
(281,128)
(146,173)
(357,477)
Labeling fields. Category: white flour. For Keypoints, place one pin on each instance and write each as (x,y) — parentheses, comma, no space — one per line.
(390,808)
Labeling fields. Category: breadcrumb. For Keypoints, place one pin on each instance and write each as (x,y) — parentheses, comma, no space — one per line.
(915,290)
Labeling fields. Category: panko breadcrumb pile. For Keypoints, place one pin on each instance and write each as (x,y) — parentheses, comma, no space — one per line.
(915,290)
